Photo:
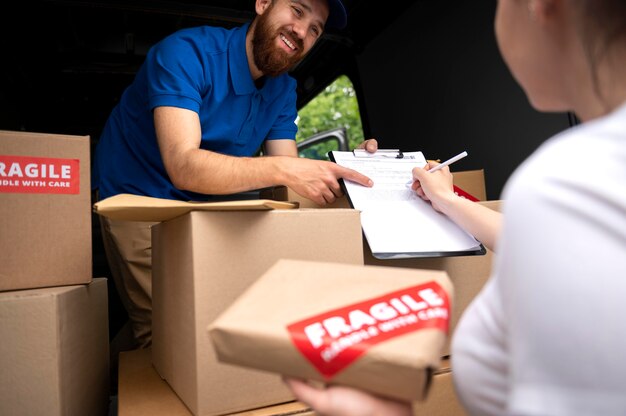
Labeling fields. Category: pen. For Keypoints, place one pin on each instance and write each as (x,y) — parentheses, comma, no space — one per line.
(449,161)
(444,164)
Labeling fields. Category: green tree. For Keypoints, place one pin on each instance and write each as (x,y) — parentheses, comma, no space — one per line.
(334,107)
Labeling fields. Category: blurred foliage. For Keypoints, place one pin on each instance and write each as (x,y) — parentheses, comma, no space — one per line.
(334,107)
(319,151)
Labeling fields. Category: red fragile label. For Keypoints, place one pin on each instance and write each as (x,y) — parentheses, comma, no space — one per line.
(467,195)
(39,175)
(333,340)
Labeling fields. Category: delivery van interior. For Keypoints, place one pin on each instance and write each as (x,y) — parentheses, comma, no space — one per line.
(425,75)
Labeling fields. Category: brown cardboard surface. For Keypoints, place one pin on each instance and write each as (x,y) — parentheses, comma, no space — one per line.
(45,238)
(282,193)
(442,399)
(201,262)
(141,392)
(253,332)
(54,352)
(129,207)
(467,273)
(472,182)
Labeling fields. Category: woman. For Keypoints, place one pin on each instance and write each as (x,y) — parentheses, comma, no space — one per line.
(544,337)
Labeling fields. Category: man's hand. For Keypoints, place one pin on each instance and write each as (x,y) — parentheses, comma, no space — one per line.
(345,401)
(371,145)
(318,180)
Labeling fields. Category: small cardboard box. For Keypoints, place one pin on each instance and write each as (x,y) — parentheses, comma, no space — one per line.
(143,393)
(54,352)
(202,261)
(45,210)
(379,329)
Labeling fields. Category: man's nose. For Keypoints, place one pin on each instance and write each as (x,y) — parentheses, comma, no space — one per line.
(299,29)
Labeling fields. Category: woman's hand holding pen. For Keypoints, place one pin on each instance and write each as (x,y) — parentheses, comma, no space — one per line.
(435,186)
(437,189)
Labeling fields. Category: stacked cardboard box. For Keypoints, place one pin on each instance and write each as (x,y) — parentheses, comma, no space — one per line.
(53,315)
(45,214)
(206,254)
(201,263)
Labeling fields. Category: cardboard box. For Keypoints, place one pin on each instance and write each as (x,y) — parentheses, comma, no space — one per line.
(141,392)
(282,193)
(442,399)
(202,261)
(467,273)
(45,210)
(471,182)
(379,329)
(54,352)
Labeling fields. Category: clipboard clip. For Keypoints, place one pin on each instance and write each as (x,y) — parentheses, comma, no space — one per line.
(379,154)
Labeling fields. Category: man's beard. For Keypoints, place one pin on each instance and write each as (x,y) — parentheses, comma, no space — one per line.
(269,58)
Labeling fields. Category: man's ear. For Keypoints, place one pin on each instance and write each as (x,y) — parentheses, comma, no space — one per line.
(261,6)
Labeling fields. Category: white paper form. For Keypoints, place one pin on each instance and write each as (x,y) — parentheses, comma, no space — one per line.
(396,222)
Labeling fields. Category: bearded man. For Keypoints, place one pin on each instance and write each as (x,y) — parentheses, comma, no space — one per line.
(201,106)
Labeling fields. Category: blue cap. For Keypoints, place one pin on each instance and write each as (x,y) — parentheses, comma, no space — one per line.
(337,16)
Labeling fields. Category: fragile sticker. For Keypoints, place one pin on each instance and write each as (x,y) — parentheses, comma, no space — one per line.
(333,340)
(39,175)
(460,192)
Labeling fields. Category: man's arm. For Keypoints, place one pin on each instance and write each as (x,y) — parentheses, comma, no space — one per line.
(198,170)
(284,147)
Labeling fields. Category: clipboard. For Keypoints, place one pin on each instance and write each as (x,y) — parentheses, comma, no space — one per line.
(379,154)
(396,223)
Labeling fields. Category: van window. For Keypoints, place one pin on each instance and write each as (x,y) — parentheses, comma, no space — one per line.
(330,121)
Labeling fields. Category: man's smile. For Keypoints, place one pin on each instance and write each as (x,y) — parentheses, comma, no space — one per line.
(287,42)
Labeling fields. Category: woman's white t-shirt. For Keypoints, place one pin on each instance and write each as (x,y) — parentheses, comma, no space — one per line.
(547,334)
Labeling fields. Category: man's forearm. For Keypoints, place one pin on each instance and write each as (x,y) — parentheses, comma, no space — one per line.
(212,173)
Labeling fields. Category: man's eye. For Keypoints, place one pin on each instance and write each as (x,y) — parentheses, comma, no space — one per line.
(297,11)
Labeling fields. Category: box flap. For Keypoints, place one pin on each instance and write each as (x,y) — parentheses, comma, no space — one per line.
(129,207)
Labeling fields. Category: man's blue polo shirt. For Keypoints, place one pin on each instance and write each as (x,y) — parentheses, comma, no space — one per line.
(203,69)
